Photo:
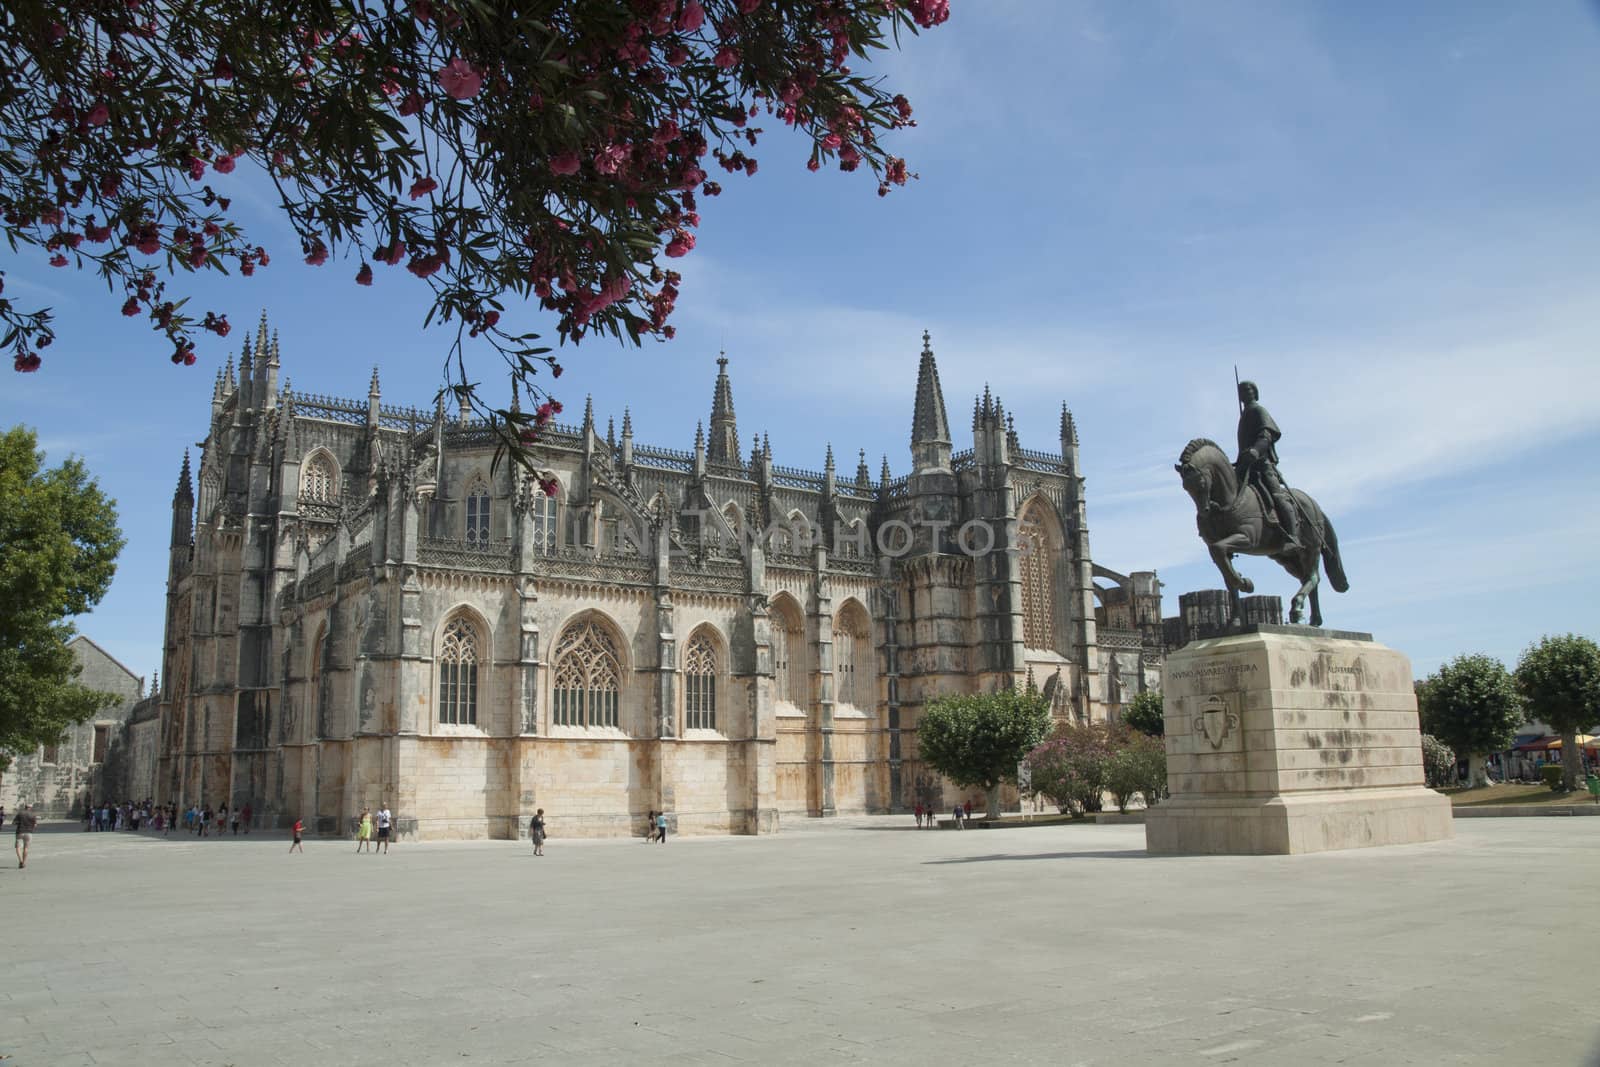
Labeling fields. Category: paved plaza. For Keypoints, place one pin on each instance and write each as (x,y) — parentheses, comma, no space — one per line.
(857,941)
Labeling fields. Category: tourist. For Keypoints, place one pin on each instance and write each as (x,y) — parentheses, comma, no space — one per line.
(233,821)
(661,827)
(650,826)
(536,832)
(364,831)
(957,816)
(25,821)
(384,820)
(247,815)
(919,815)
(203,820)
(299,828)
(222,819)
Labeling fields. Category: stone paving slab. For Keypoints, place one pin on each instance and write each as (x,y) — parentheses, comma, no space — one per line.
(850,941)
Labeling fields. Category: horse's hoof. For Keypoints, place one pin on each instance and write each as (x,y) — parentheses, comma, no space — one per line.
(1246,585)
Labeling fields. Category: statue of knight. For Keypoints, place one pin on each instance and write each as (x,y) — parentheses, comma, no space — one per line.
(1258,461)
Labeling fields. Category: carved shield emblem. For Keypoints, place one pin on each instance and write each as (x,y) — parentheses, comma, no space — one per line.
(1215,720)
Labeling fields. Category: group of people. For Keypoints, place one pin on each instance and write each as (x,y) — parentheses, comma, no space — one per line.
(383,821)
(655,828)
(205,822)
(927,818)
(129,815)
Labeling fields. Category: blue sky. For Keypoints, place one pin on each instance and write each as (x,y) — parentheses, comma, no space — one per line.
(1384,214)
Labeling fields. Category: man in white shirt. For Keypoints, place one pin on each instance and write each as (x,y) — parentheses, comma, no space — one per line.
(384,820)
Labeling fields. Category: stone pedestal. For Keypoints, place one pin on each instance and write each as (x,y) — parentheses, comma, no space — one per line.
(1285,739)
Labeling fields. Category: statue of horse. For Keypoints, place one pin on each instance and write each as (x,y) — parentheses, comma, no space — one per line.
(1234,521)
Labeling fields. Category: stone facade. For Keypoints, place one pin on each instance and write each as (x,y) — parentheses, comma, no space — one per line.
(363,606)
(90,763)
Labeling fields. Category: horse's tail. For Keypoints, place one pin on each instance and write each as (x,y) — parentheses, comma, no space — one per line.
(1330,557)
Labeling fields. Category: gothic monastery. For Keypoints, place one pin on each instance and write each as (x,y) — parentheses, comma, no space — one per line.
(364,608)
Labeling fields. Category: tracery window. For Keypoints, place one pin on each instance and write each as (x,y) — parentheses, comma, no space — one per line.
(544,522)
(788,654)
(700,684)
(319,482)
(588,677)
(458,673)
(1038,581)
(478,514)
(210,489)
(852,658)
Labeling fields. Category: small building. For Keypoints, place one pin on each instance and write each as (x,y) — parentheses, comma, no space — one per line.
(88,764)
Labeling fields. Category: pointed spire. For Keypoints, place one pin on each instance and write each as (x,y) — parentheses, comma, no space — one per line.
(1011,433)
(373,390)
(227,379)
(272,359)
(827,462)
(262,339)
(1069,428)
(930,429)
(883,472)
(863,475)
(185,489)
(988,401)
(627,423)
(699,436)
(977,412)
(611,433)
(246,360)
(216,390)
(724,445)
(766,447)
(588,413)
(155,682)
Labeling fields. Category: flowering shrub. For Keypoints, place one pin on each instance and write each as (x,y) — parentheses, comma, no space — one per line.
(1138,766)
(1083,762)
(1438,762)
(550,151)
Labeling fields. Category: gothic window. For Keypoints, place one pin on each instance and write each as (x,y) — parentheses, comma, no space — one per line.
(700,684)
(210,489)
(478,514)
(543,518)
(458,673)
(788,654)
(319,482)
(102,744)
(852,658)
(51,754)
(851,539)
(1038,581)
(588,676)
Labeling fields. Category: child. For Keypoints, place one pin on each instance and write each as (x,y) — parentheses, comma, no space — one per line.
(299,828)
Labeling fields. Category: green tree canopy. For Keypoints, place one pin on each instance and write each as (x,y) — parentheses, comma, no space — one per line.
(1147,713)
(58,549)
(978,740)
(540,157)
(1472,705)
(1560,679)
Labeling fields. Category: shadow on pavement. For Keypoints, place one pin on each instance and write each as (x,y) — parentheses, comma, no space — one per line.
(1106,854)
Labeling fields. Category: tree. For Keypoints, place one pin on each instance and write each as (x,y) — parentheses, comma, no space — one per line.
(58,549)
(978,740)
(1472,705)
(1438,762)
(1147,713)
(548,151)
(1560,679)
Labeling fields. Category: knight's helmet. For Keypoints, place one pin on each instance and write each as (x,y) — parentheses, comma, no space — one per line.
(1248,393)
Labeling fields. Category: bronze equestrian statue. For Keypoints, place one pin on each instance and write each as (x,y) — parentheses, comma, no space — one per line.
(1245,508)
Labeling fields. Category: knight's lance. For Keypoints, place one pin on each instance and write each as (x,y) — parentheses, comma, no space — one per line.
(1236,388)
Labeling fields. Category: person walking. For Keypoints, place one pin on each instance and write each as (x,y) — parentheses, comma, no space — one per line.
(299,828)
(247,814)
(385,827)
(364,831)
(957,816)
(919,815)
(26,822)
(536,832)
(233,821)
(661,827)
(650,827)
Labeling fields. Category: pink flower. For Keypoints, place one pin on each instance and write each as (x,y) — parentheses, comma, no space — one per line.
(692,18)
(318,254)
(609,159)
(726,57)
(423,187)
(97,234)
(677,55)
(50,216)
(832,141)
(682,241)
(58,260)
(412,104)
(148,241)
(750,167)
(197,168)
(392,254)
(26,362)
(364,275)
(224,164)
(564,163)
(667,132)
(98,115)
(460,79)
